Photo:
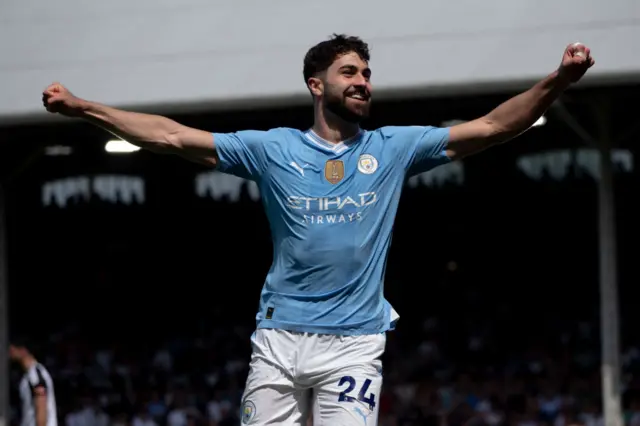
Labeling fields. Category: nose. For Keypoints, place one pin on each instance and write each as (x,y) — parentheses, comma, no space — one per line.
(360,80)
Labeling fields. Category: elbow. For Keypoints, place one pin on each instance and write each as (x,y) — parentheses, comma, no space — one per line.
(163,143)
(158,144)
(493,128)
(496,132)
(172,140)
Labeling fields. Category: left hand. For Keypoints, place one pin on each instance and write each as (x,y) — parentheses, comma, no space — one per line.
(575,62)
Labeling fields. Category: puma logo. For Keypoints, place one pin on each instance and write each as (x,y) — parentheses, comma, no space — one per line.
(298,168)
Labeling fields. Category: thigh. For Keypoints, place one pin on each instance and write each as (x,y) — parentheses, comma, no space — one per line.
(270,395)
(349,396)
(349,391)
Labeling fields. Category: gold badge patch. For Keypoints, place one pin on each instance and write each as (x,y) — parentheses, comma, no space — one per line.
(334,171)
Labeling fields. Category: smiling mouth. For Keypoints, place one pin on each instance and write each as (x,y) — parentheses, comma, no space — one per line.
(359,97)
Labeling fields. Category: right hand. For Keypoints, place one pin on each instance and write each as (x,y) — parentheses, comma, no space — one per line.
(58,99)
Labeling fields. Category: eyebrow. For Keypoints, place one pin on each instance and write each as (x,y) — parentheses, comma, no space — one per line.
(353,67)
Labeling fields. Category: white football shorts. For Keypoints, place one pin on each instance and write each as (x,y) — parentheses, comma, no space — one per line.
(337,378)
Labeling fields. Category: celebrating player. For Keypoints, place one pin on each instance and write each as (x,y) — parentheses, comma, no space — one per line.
(331,194)
(36,389)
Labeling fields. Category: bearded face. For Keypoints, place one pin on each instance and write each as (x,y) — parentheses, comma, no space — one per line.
(346,88)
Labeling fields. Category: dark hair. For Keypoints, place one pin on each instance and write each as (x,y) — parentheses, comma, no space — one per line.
(321,56)
(20,342)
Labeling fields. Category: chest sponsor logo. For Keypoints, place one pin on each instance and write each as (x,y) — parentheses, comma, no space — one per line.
(320,210)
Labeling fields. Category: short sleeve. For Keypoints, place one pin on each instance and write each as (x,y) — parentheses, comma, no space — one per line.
(241,153)
(421,148)
(37,383)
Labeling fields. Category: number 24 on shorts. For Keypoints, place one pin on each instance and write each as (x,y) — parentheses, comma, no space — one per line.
(344,395)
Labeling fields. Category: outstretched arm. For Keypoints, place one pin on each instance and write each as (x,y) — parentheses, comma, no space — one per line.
(152,132)
(519,113)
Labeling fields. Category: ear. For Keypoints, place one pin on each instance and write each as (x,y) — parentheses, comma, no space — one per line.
(316,87)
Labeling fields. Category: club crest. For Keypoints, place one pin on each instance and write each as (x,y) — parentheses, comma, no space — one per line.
(367,164)
(248,412)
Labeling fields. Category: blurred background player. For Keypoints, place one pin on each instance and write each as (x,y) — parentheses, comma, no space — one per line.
(37,396)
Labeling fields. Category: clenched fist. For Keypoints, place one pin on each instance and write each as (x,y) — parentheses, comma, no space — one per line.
(58,99)
(575,62)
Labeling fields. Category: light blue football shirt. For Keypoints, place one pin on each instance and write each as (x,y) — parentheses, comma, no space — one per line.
(331,210)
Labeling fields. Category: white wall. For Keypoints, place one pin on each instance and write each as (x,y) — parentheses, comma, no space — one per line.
(216,53)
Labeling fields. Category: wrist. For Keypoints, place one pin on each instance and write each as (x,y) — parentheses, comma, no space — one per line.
(81,107)
(560,79)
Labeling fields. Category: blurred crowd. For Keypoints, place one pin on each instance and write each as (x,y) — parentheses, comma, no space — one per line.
(483,378)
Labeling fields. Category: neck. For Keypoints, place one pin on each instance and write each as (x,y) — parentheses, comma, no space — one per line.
(332,128)
(28,362)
